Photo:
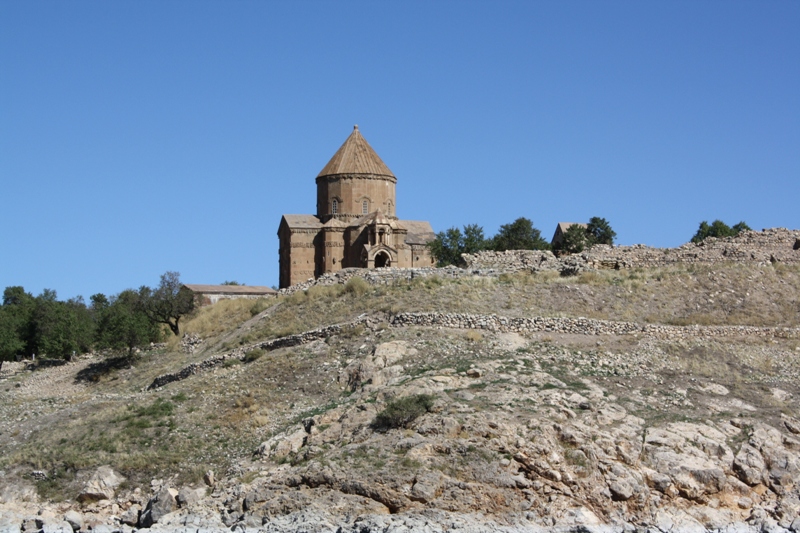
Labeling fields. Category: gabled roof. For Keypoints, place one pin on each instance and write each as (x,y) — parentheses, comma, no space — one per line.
(419,231)
(334,223)
(302,221)
(376,217)
(356,156)
(230,289)
(562,227)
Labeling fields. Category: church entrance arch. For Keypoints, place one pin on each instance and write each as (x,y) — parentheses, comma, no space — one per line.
(382,260)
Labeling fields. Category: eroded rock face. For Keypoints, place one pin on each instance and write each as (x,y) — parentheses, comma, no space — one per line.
(101,485)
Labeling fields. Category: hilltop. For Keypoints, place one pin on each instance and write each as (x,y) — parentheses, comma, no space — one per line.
(657,398)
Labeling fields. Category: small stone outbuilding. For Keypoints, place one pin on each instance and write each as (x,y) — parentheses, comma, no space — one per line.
(211,294)
(356,223)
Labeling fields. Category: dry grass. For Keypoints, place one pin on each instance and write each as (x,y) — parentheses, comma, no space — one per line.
(225,414)
(214,320)
(473,336)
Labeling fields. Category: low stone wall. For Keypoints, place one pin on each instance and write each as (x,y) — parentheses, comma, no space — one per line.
(239,353)
(376,276)
(580,326)
(777,245)
(494,323)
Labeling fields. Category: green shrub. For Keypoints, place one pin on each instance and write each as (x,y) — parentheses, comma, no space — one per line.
(718,229)
(401,412)
(157,409)
(356,286)
(258,306)
(253,355)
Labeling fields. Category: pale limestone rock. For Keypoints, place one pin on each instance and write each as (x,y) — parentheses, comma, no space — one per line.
(74,518)
(58,526)
(715,388)
(101,485)
(749,465)
(131,515)
(188,496)
(389,353)
(159,505)
(427,487)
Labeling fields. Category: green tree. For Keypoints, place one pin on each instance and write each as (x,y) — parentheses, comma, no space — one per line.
(519,235)
(19,306)
(122,324)
(718,229)
(11,344)
(167,303)
(575,240)
(60,329)
(600,232)
(448,245)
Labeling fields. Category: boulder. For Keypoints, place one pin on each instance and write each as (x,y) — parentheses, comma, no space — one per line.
(75,519)
(101,485)
(621,490)
(58,526)
(427,487)
(131,516)
(188,496)
(159,505)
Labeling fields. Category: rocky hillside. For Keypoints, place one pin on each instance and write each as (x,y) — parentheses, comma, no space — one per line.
(660,399)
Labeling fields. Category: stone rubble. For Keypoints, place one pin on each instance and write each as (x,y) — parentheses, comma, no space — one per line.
(775,245)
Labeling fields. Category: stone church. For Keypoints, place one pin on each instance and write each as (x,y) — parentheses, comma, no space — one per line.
(356,224)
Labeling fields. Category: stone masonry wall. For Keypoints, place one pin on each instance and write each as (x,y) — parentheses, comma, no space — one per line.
(777,245)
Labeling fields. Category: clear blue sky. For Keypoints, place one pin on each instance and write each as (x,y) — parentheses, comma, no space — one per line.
(140,137)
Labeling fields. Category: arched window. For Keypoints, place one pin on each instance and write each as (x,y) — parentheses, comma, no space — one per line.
(334,206)
(365,207)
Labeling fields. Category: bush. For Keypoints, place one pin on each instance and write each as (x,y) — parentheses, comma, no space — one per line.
(401,412)
(356,286)
(718,229)
(448,245)
(519,235)
(258,306)
(600,232)
(579,237)
(253,355)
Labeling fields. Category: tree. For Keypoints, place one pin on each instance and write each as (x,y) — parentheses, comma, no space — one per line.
(448,245)
(168,302)
(18,308)
(600,232)
(575,240)
(122,324)
(60,329)
(718,229)
(11,344)
(519,235)
(740,227)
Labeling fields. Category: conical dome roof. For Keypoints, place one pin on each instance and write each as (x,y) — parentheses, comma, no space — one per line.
(356,156)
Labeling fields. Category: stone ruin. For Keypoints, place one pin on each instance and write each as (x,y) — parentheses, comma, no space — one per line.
(776,245)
